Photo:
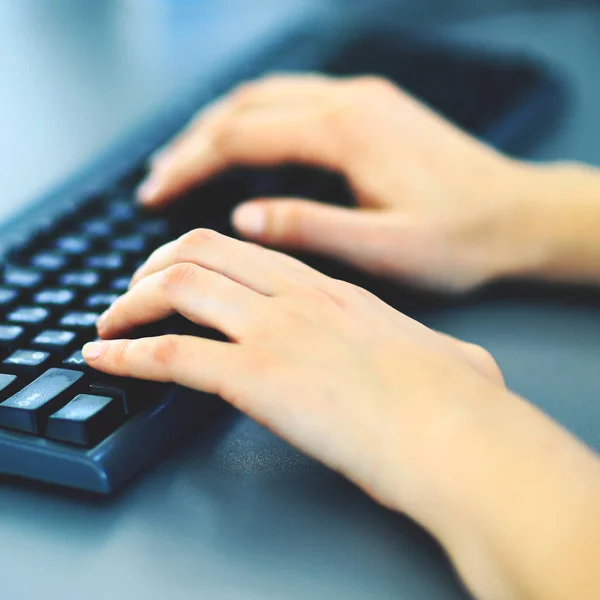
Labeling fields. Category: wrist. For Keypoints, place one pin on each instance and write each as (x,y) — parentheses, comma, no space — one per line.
(513,498)
(555,233)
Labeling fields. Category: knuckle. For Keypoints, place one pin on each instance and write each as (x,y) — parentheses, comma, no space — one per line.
(486,361)
(482,355)
(245,92)
(374,84)
(120,355)
(164,352)
(196,238)
(351,290)
(177,275)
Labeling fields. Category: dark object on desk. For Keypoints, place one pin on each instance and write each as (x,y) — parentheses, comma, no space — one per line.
(507,99)
(65,259)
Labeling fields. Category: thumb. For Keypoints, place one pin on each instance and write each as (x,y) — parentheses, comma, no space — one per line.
(359,236)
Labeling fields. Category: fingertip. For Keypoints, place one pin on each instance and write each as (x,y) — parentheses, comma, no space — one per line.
(148,191)
(93,351)
(250,219)
(160,156)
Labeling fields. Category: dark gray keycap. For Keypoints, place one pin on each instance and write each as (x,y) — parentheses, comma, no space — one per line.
(22,278)
(122,210)
(120,284)
(132,244)
(10,336)
(80,279)
(155,228)
(73,244)
(29,363)
(97,228)
(85,420)
(105,262)
(8,386)
(79,320)
(7,297)
(132,394)
(55,297)
(28,315)
(101,301)
(56,341)
(29,409)
(49,261)
(77,362)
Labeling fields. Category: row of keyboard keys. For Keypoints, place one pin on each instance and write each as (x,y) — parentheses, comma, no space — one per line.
(68,405)
(29,409)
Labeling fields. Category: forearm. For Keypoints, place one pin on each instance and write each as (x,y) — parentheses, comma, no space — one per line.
(558,232)
(516,502)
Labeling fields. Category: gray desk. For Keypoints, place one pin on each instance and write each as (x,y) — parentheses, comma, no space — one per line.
(237,514)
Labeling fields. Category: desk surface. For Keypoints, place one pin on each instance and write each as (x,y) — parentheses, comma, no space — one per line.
(236,513)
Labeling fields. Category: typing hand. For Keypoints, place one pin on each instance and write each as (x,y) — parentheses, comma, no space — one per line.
(437,207)
(422,422)
(324,364)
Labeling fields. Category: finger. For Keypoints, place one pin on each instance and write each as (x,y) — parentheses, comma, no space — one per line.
(264,137)
(360,237)
(204,297)
(189,361)
(262,270)
(276,89)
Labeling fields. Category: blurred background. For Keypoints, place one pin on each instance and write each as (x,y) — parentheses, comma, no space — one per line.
(77,74)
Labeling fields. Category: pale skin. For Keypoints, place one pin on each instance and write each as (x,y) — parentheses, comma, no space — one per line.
(420,421)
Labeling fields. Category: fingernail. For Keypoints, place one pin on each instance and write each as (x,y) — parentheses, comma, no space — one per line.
(93,350)
(148,189)
(102,320)
(159,156)
(250,219)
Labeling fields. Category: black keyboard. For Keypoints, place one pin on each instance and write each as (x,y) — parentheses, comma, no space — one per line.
(69,257)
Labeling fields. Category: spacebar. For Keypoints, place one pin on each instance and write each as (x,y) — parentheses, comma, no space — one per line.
(29,409)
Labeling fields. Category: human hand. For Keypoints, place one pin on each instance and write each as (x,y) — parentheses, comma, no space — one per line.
(437,207)
(421,422)
(324,364)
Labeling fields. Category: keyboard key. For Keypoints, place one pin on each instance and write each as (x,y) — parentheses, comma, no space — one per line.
(73,244)
(8,297)
(101,301)
(55,297)
(10,337)
(80,279)
(29,363)
(156,228)
(129,392)
(132,244)
(29,409)
(22,278)
(79,320)
(8,386)
(85,420)
(105,262)
(120,284)
(77,362)
(28,315)
(122,210)
(55,341)
(49,261)
(97,228)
